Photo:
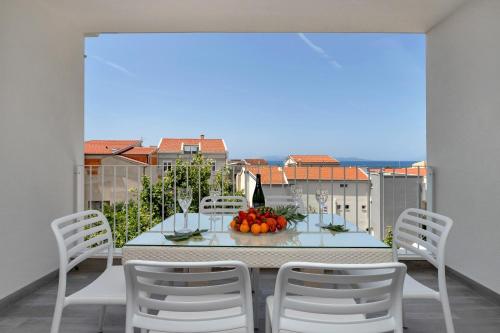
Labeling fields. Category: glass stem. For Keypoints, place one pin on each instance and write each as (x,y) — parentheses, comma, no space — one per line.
(185,219)
(321,214)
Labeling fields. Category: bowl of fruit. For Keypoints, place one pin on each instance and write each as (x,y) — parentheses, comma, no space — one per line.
(265,220)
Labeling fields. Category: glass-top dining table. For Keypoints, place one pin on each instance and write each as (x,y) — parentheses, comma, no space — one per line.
(305,242)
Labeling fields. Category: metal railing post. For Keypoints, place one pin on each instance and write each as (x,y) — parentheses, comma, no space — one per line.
(89,206)
(80,188)
(430,189)
(114,205)
(126,203)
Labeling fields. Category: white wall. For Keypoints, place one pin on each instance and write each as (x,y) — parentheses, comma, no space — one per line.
(463,135)
(41,135)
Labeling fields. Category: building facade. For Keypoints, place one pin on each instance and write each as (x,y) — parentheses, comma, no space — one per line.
(114,168)
(348,188)
(171,149)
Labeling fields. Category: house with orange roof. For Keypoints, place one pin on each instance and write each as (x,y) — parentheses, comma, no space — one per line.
(348,187)
(114,167)
(171,149)
(311,160)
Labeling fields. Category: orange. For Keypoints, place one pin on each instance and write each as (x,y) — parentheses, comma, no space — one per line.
(232,225)
(256,229)
(244,228)
(244,222)
(264,227)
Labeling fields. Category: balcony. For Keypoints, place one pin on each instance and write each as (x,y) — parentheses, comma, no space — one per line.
(371,198)
(42,124)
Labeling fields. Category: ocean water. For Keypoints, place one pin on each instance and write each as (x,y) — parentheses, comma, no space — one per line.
(369,164)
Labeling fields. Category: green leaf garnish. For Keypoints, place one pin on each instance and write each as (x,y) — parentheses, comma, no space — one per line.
(335,228)
(178,236)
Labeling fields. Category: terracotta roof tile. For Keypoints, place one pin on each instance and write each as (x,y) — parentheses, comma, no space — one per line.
(313,159)
(269,174)
(140,151)
(288,174)
(325,173)
(411,171)
(108,147)
(256,161)
(173,145)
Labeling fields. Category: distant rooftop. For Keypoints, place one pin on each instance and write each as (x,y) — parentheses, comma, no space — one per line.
(256,161)
(411,171)
(109,147)
(176,145)
(269,174)
(313,159)
(276,175)
(140,151)
(325,173)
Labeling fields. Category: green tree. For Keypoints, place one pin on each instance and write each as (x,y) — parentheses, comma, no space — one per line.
(388,236)
(156,201)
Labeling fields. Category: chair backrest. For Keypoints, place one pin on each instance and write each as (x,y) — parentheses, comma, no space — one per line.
(223,205)
(279,200)
(314,297)
(81,235)
(424,233)
(177,297)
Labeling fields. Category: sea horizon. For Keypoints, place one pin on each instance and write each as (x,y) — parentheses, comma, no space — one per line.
(365,163)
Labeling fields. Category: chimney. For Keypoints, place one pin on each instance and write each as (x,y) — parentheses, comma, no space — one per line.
(202,136)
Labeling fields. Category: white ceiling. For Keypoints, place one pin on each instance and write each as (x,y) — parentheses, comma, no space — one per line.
(254,15)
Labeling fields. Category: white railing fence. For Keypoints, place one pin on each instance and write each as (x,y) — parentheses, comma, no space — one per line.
(136,197)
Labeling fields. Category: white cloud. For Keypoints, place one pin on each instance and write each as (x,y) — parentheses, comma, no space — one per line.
(319,51)
(112,65)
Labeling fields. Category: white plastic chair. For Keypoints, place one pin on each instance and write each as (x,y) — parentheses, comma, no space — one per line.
(223,205)
(425,233)
(167,297)
(79,236)
(319,298)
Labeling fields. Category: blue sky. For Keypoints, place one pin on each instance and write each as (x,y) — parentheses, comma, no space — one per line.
(348,95)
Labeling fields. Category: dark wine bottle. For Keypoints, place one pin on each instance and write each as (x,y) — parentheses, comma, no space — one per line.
(258,194)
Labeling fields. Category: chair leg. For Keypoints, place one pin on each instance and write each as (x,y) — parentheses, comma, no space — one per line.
(56,320)
(101,318)
(268,323)
(404,315)
(448,319)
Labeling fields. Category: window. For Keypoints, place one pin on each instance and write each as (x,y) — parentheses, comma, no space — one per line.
(339,207)
(343,185)
(363,207)
(191,149)
(346,206)
(213,166)
(167,165)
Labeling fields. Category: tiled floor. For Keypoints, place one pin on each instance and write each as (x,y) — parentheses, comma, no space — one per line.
(32,314)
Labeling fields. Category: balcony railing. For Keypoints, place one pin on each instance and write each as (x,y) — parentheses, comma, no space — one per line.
(136,197)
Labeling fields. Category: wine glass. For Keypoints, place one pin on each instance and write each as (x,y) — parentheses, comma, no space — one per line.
(322,198)
(184,197)
(296,194)
(214,192)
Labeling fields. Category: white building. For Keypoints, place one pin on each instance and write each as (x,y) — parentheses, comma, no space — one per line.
(348,188)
